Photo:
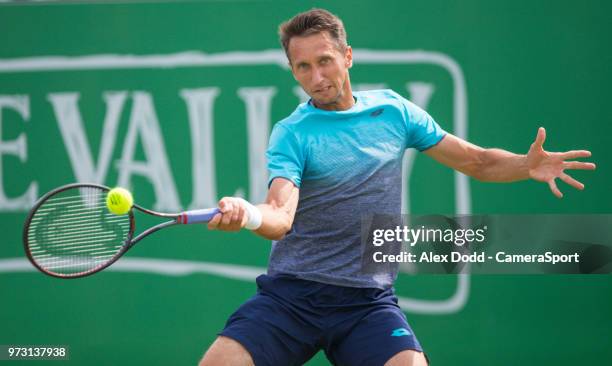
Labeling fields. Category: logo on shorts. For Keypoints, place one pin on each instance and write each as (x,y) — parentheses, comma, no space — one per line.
(400,332)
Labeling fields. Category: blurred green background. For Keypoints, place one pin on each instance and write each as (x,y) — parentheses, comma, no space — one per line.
(525,64)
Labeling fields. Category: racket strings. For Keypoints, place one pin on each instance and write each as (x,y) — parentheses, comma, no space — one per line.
(73,232)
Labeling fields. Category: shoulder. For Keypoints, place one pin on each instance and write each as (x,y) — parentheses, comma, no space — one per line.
(388,99)
(378,94)
(381,97)
(291,122)
(408,108)
(291,126)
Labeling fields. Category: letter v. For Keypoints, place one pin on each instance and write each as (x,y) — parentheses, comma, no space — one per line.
(65,106)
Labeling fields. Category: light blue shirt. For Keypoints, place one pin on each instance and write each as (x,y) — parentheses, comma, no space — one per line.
(347,164)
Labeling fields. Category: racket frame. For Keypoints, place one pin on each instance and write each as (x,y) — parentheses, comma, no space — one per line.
(127,244)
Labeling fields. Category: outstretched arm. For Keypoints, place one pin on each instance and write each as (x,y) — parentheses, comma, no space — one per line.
(496,165)
(277,212)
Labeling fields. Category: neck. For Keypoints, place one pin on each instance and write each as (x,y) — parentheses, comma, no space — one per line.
(344,102)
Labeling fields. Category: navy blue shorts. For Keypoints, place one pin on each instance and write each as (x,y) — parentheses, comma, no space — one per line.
(289,320)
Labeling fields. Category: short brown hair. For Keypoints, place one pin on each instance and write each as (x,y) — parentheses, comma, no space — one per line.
(312,22)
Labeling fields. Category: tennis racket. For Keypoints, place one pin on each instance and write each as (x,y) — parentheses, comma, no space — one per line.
(70,233)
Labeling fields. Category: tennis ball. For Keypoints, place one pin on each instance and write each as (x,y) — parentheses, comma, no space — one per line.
(119,201)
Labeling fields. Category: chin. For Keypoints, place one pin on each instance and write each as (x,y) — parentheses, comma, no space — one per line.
(326,101)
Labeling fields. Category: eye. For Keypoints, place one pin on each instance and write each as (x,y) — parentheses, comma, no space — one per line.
(325,61)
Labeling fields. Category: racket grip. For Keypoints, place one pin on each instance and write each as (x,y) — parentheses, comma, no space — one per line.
(197,216)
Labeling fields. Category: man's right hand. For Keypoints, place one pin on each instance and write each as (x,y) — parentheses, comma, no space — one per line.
(233,215)
(271,220)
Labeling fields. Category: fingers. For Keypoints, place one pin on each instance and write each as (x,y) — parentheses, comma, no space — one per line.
(571,181)
(237,212)
(541,137)
(568,180)
(214,223)
(554,189)
(231,216)
(578,165)
(576,154)
(228,211)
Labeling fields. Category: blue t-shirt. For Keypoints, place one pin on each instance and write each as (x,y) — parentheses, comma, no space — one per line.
(347,164)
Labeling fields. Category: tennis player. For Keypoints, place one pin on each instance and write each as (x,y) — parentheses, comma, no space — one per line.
(337,157)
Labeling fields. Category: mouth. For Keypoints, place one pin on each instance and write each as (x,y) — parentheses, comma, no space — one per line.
(323,90)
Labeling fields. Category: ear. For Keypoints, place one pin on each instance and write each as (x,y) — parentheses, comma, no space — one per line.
(348,57)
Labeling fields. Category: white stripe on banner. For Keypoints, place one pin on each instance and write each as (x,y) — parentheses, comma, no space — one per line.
(173,267)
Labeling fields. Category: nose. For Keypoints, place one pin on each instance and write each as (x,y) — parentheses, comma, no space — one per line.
(316,77)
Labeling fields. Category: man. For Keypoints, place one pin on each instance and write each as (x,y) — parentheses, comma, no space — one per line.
(336,157)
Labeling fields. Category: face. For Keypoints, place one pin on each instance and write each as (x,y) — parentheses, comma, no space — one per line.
(322,70)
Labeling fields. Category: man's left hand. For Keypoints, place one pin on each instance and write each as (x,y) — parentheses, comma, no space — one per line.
(545,166)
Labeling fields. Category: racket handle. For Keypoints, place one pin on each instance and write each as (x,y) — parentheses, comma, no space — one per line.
(197,216)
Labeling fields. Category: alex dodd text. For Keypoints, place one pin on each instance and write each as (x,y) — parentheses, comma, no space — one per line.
(477,257)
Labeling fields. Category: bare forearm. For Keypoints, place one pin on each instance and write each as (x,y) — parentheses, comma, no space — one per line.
(488,165)
(276,222)
(279,209)
(497,165)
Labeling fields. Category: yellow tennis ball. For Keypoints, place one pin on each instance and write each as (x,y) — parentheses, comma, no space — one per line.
(119,201)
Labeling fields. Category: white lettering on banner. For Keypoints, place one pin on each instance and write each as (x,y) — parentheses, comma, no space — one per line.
(143,123)
(65,107)
(200,105)
(258,101)
(420,93)
(20,104)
